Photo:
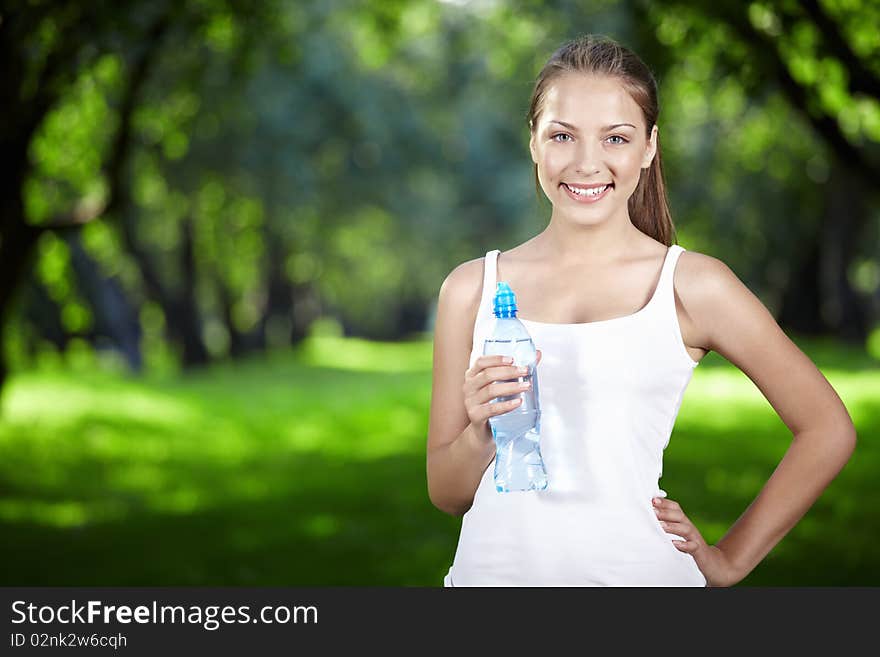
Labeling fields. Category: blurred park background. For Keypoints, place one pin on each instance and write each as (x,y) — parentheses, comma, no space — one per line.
(225,223)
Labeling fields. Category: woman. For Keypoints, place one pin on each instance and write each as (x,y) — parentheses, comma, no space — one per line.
(622,316)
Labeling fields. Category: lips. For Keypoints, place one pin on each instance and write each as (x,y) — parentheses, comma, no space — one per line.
(586,186)
(582,195)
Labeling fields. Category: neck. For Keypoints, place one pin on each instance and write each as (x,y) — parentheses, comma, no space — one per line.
(570,243)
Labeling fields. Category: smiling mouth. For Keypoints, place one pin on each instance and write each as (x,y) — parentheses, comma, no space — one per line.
(590,191)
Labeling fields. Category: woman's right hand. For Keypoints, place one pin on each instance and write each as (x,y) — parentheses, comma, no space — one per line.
(481,386)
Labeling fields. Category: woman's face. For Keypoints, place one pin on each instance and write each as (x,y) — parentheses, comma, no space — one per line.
(578,145)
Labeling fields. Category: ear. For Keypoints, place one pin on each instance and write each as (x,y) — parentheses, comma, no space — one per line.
(532,148)
(651,148)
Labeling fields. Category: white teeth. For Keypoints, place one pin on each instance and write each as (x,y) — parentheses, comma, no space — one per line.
(595,191)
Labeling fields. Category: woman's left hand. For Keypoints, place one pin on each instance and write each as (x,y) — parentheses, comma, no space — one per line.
(711,560)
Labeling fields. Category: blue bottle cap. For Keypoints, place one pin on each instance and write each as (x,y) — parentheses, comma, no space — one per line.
(505,301)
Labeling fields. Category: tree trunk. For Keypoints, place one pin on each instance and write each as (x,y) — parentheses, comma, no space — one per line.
(16,253)
(819,298)
(843,223)
(40,311)
(802,298)
(182,323)
(305,308)
(279,297)
(114,317)
(236,340)
(187,320)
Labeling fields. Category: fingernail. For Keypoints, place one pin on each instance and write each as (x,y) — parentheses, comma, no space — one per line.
(656,501)
(508,360)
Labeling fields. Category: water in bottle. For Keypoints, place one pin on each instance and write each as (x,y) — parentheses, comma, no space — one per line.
(518,462)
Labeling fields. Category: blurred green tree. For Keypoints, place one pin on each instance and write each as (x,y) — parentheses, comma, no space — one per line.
(821,59)
(260,166)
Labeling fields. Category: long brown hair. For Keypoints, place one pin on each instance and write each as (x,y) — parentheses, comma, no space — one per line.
(600,55)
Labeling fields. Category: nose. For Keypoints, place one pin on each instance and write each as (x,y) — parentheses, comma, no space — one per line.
(588,157)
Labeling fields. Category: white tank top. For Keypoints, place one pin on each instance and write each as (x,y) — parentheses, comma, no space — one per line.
(610,392)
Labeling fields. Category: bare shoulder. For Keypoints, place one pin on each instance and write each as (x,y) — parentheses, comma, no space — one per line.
(701,283)
(457,307)
(723,312)
(463,286)
(726,317)
(698,277)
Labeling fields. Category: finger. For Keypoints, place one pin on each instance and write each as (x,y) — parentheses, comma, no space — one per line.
(671,515)
(665,503)
(505,373)
(668,504)
(491,361)
(496,390)
(483,362)
(491,409)
(684,529)
(668,509)
(483,367)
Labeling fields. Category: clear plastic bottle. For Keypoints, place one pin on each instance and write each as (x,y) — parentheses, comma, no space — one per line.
(518,462)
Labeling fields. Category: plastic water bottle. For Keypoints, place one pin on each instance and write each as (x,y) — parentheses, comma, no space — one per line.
(518,462)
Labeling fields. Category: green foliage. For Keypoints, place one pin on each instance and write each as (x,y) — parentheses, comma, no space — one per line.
(356,152)
(167,124)
(368,272)
(55,273)
(160,356)
(69,148)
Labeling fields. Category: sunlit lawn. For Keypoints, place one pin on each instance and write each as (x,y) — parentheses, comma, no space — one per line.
(308,468)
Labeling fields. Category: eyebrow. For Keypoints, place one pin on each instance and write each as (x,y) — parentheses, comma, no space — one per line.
(607,127)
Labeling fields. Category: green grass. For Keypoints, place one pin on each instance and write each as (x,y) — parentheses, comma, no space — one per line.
(307,468)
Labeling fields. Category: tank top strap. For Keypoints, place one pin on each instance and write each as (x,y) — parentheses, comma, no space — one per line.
(664,291)
(666,315)
(490,274)
(484,313)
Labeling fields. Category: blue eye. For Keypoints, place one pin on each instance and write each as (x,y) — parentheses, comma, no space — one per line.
(564,134)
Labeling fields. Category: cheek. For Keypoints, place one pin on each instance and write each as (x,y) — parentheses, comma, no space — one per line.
(632,162)
(553,162)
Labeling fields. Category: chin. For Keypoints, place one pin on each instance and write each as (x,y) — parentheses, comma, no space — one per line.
(587,218)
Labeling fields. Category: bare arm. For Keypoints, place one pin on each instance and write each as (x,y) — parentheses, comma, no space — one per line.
(730,320)
(457,452)
(460,442)
(455,470)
